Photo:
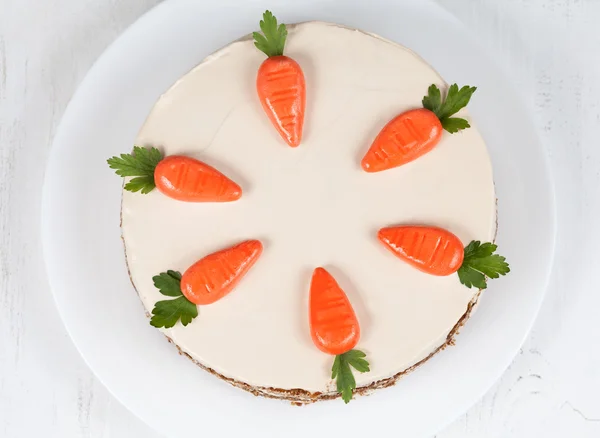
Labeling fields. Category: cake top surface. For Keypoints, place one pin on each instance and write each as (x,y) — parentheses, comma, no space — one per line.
(310,206)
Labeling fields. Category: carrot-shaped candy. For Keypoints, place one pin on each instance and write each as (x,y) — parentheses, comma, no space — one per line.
(178,177)
(214,276)
(206,281)
(416,132)
(439,252)
(280,82)
(334,329)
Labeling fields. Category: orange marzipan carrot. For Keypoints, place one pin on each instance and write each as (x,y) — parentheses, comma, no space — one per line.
(214,276)
(333,323)
(280,82)
(416,132)
(191,180)
(404,139)
(282,92)
(430,249)
(178,177)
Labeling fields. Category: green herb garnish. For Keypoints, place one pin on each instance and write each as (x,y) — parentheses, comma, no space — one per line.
(140,164)
(272,40)
(456,99)
(343,374)
(481,262)
(166,313)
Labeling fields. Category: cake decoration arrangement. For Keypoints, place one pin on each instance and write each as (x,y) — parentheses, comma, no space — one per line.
(439,252)
(313,208)
(280,82)
(416,132)
(178,177)
(205,282)
(335,330)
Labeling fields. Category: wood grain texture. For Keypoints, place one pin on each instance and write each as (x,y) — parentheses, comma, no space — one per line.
(549,47)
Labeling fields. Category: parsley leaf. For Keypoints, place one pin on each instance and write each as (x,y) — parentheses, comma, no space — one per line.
(272,40)
(433,100)
(481,262)
(341,371)
(166,313)
(471,278)
(141,164)
(456,99)
(454,124)
(356,358)
(168,283)
(144,184)
(476,250)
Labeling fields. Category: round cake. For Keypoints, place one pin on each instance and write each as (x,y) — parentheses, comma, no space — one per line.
(310,206)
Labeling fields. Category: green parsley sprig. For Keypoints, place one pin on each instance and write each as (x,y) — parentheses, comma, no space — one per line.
(341,371)
(481,262)
(456,99)
(140,164)
(166,313)
(272,39)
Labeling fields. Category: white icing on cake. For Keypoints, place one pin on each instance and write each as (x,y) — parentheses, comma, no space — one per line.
(311,206)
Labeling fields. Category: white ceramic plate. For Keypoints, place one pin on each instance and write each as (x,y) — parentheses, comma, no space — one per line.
(103,315)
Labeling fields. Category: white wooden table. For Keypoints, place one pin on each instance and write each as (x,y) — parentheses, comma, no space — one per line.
(550,47)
